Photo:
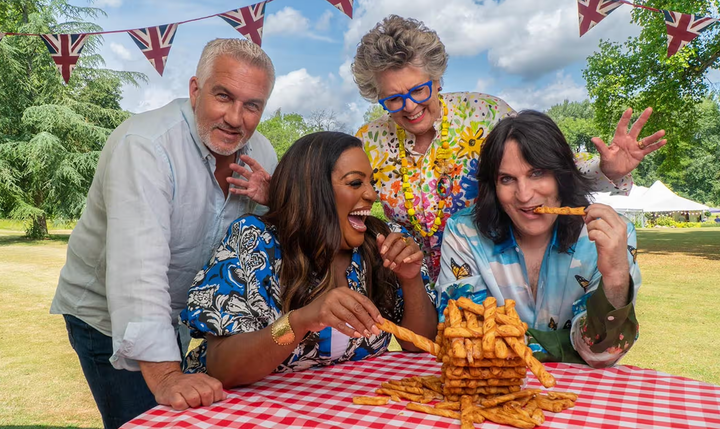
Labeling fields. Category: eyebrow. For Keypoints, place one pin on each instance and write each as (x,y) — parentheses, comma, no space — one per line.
(221,88)
(353,172)
(403,93)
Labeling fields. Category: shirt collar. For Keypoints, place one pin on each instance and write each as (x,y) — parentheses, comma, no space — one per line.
(512,243)
(189,116)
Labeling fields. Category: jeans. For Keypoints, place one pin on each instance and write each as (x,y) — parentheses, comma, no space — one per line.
(120,395)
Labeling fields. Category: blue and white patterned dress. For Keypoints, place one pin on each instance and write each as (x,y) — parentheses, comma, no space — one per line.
(238,291)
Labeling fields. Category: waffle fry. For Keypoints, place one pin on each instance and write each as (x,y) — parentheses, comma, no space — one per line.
(580,211)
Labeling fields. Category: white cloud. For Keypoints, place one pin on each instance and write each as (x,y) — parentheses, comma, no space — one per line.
(524,37)
(289,21)
(121,51)
(108,3)
(323,23)
(300,92)
(483,85)
(532,97)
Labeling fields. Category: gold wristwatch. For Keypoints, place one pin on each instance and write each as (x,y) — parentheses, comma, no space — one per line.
(282,332)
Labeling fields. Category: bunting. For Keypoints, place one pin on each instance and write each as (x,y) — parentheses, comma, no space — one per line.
(591,12)
(248,21)
(155,43)
(345,6)
(682,28)
(65,50)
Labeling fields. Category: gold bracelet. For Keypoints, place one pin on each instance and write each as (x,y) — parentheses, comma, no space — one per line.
(282,332)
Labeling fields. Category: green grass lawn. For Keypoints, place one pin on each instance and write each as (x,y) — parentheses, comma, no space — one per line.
(41,384)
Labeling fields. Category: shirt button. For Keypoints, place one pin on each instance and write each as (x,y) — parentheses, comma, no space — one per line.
(611,318)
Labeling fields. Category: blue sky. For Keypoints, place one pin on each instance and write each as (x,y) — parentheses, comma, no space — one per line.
(525,51)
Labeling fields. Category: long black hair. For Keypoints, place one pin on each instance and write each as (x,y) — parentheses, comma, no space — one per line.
(544,147)
(302,209)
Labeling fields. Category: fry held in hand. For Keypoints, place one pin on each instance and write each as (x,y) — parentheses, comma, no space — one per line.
(407,335)
(579,211)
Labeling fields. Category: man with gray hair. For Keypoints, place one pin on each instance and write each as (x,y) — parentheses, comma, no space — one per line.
(161,199)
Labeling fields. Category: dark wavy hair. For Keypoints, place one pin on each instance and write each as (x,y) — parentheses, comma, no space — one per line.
(544,147)
(302,210)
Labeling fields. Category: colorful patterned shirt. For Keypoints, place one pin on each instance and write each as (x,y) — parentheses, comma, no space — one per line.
(239,291)
(571,315)
(471,116)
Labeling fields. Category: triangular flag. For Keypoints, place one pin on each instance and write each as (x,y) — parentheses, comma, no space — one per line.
(65,50)
(345,6)
(591,12)
(682,28)
(248,21)
(155,43)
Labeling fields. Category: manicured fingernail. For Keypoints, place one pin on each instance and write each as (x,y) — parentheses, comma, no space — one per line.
(406,260)
(367,333)
(386,262)
(384,249)
(375,330)
(357,334)
(380,319)
(393,265)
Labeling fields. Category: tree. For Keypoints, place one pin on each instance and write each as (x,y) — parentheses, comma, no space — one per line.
(637,74)
(51,134)
(283,129)
(576,120)
(373,112)
(327,120)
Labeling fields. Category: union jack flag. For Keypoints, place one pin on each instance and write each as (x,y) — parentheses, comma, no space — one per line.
(591,12)
(682,28)
(65,50)
(345,6)
(155,43)
(248,21)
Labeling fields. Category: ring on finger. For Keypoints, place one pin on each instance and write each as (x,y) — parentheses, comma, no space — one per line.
(641,144)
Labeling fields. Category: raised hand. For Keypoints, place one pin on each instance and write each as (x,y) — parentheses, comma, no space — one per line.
(256,182)
(401,254)
(625,151)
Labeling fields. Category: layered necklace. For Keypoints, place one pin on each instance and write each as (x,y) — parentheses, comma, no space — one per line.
(442,186)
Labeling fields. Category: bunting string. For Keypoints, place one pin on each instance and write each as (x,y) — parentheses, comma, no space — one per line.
(155,42)
(681,28)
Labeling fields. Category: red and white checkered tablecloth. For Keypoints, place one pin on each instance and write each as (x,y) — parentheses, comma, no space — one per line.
(620,397)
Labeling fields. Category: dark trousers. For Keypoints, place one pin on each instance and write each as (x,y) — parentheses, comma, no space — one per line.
(120,395)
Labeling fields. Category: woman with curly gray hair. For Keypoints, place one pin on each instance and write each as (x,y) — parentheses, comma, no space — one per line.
(425,150)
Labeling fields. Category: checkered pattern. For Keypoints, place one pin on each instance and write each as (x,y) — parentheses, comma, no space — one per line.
(621,397)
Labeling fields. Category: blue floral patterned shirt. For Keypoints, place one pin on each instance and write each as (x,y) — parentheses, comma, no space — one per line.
(571,308)
(239,291)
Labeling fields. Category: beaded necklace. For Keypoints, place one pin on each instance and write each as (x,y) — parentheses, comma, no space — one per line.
(442,156)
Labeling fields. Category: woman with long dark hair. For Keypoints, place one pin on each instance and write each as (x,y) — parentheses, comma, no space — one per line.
(574,279)
(305,284)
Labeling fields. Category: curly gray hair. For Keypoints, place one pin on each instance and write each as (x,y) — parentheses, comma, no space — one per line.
(239,49)
(395,43)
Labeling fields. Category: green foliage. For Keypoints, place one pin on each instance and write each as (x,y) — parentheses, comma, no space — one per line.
(638,74)
(283,130)
(51,134)
(373,112)
(575,120)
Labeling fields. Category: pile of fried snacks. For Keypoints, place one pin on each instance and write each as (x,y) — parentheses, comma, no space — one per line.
(484,360)
(521,409)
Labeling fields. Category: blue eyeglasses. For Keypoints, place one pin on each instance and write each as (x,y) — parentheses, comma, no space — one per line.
(418,94)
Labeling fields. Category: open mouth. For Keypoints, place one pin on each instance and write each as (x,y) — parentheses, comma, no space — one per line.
(416,117)
(357,219)
(528,210)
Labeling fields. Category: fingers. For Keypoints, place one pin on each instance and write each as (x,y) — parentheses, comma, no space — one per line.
(242,171)
(622,126)
(353,312)
(640,123)
(254,166)
(653,147)
(195,390)
(600,146)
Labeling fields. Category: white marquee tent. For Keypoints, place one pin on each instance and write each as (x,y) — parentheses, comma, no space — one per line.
(655,199)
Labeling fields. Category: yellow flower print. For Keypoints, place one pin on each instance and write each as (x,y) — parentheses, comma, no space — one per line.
(381,166)
(362,131)
(471,143)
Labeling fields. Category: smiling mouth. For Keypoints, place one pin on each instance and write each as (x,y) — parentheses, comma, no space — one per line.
(357,219)
(416,116)
(529,210)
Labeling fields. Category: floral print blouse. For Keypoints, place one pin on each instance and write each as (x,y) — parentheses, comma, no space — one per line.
(571,319)
(471,116)
(239,291)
